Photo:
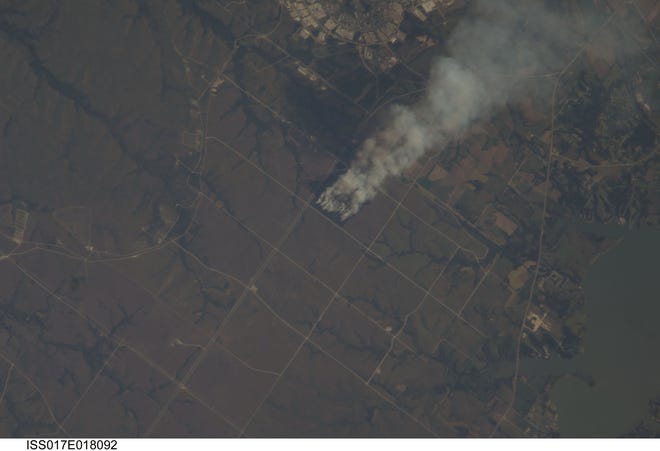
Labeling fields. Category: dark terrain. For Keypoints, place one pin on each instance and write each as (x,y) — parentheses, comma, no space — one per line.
(165,272)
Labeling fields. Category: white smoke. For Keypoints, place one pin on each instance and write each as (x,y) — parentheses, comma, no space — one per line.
(488,54)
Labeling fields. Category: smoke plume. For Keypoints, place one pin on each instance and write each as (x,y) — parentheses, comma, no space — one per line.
(489,55)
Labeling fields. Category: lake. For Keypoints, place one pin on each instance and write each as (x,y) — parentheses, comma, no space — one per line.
(621,342)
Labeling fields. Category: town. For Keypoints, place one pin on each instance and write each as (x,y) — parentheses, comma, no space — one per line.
(373,28)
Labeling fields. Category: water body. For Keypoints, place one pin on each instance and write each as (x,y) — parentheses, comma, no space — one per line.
(621,343)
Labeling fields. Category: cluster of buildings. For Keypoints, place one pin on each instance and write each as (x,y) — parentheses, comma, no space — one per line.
(312,76)
(538,320)
(14,221)
(371,25)
(20,224)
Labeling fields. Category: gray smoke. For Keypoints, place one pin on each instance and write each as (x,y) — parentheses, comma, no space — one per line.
(490,56)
